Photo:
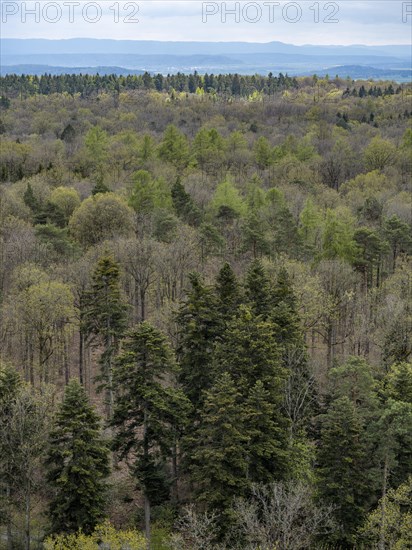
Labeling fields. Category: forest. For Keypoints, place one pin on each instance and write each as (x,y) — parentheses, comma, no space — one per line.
(205,313)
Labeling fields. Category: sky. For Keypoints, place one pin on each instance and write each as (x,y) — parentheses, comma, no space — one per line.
(372,22)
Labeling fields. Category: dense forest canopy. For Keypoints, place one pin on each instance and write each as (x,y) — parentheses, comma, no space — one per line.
(205,308)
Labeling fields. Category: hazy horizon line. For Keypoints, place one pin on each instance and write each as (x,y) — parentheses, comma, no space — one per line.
(206,41)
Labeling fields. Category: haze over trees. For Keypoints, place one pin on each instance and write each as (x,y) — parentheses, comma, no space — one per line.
(205,320)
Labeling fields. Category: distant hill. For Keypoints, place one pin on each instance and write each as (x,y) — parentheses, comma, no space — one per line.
(134,57)
(146,47)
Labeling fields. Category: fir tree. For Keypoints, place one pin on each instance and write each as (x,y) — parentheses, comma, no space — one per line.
(147,413)
(200,325)
(250,355)
(100,187)
(267,450)
(10,386)
(219,456)
(284,313)
(78,464)
(105,317)
(342,477)
(228,291)
(31,200)
(184,206)
(258,291)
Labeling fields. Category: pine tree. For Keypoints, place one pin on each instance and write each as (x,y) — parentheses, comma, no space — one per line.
(105,317)
(78,464)
(147,413)
(200,325)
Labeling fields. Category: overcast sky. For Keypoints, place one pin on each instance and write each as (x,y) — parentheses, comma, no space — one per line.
(301,22)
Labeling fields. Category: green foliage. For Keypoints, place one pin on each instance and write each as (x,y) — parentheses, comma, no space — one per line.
(379,154)
(66,199)
(103,534)
(148,194)
(184,206)
(219,458)
(78,464)
(104,316)
(100,217)
(399,382)
(258,290)
(200,325)
(227,197)
(338,236)
(263,153)
(342,474)
(147,415)
(388,525)
(228,291)
(249,353)
(174,148)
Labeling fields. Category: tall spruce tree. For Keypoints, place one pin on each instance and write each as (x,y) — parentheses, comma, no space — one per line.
(228,292)
(267,449)
(200,326)
(258,290)
(10,386)
(219,448)
(250,354)
(148,412)
(284,312)
(183,204)
(342,474)
(78,463)
(104,317)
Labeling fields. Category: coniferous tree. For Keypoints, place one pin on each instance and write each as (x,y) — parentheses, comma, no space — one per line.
(267,450)
(78,463)
(148,415)
(184,206)
(200,325)
(104,317)
(258,291)
(219,462)
(228,291)
(250,354)
(342,475)
(284,313)
(10,385)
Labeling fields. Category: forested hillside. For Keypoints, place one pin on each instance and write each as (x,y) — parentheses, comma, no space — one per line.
(205,313)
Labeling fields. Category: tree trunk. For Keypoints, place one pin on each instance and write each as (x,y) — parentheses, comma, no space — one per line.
(175,488)
(81,358)
(66,363)
(9,534)
(382,535)
(27,519)
(31,367)
(147,520)
(146,499)
(142,304)
(109,373)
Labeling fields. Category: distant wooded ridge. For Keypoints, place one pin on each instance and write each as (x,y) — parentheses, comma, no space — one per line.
(252,87)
